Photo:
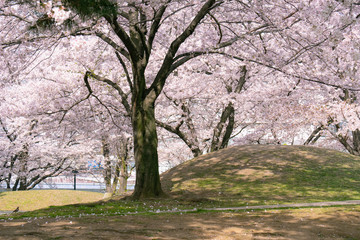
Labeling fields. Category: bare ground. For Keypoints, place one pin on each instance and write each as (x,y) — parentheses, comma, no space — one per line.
(317,223)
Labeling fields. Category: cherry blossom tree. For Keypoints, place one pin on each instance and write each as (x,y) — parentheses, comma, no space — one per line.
(188,115)
(295,57)
(46,102)
(28,156)
(152,47)
(118,166)
(333,62)
(143,25)
(34,145)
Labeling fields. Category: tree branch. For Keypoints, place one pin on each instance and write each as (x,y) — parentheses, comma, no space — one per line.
(11,136)
(314,136)
(176,130)
(55,172)
(124,37)
(155,26)
(125,70)
(218,25)
(15,16)
(113,44)
(115,86)
(290,74)
(164,71)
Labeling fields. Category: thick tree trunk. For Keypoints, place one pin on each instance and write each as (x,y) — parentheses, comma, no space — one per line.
(145,151)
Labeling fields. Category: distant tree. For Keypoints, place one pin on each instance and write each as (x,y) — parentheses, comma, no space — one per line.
(28,158)
(218,124)
(117,164)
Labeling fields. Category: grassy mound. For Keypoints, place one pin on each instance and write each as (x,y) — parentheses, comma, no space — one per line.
(237,176)
(37,199)
(266,174)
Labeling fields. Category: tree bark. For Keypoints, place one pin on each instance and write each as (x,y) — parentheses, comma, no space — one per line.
(121,170)
(23,158)
(351,145)
(145,150)
(107,170)
(356,141)
(229,129)
(8,187)
(192,143)
(314,136)
(123,175)
(14,188)
(227,115)
(120,177)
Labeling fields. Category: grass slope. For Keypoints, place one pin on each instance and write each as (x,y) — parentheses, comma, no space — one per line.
(37,199)
(266,174)
(237,176)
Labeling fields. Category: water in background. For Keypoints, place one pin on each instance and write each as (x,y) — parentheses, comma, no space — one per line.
(83,183)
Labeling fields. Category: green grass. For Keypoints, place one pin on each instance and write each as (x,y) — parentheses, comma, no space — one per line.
(108,208)
(237,176)
(37,199)
(255,175)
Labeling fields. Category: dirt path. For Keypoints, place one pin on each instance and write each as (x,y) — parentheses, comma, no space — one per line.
(308,223)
